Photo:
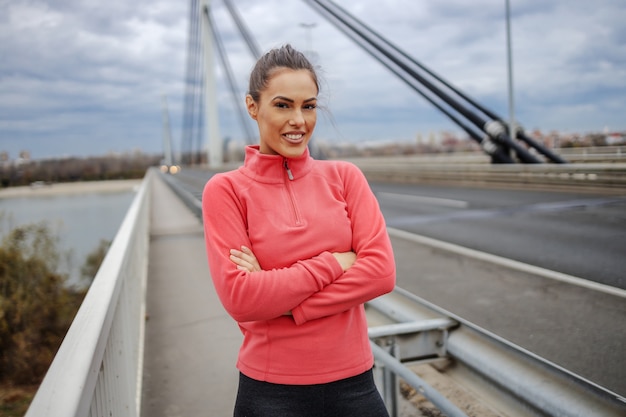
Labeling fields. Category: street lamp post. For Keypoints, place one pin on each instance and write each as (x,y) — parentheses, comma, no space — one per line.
(512,129)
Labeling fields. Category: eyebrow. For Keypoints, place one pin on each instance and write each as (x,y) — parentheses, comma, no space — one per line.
(292,101)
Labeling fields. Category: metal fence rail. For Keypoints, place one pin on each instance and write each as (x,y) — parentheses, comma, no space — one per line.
(523,383)
(98,368)
(595,177)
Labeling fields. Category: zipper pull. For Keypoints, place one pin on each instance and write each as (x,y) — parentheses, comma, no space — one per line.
(289,174)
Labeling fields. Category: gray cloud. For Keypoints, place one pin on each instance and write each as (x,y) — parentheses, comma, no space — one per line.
(86,77)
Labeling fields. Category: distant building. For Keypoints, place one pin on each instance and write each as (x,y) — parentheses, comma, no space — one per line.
(615,138)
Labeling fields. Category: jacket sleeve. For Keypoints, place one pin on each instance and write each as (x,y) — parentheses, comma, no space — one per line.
(374,271)
(259,295)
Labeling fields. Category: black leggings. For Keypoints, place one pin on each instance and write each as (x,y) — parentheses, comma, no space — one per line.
(355,396)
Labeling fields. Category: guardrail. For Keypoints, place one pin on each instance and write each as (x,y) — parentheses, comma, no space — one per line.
(592,170)
(590,177)
(408,330)
(98,369)
(192,201)
(602,154)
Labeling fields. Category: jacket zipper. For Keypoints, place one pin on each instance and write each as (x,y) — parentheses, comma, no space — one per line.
(292,197)
(286,165)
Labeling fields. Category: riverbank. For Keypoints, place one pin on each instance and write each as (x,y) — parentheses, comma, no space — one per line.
(68,188)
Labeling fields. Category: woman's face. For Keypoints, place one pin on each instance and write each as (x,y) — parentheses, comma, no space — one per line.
(286,112)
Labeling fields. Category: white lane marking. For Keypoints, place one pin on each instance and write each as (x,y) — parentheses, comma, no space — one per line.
(509,263)
(425,200)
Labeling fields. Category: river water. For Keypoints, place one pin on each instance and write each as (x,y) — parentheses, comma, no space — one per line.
(80,221)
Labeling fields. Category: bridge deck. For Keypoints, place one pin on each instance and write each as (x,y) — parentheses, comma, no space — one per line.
(191,343)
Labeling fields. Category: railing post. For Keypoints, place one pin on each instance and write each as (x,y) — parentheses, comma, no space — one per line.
(390,382)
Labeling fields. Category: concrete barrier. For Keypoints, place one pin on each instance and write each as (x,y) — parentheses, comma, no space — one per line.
(587,177)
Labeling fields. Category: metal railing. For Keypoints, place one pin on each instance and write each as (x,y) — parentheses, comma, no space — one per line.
(407,330)
(97,371)
(591,177)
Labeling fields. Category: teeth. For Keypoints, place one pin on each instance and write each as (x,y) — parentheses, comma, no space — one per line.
(294,137)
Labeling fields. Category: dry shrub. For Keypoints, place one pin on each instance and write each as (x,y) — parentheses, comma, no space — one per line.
(36,307)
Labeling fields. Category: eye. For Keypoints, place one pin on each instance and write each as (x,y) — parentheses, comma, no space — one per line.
(310,106)
(281,105)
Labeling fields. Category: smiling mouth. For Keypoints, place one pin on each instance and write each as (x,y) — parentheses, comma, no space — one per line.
(294,138)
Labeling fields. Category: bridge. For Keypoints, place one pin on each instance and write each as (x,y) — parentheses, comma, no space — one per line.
(152,339)
(510,299)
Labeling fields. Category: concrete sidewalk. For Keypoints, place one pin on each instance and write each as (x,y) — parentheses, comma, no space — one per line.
(191,343)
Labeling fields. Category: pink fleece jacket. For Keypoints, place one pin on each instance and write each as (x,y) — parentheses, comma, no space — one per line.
(293,213)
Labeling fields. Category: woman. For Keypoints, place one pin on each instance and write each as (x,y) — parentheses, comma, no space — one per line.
(295,247)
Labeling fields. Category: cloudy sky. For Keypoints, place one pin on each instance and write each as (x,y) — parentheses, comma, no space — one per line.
(87,77)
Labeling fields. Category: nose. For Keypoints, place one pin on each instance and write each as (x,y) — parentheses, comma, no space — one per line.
(297,118)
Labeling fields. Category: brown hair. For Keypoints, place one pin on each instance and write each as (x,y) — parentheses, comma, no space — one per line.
(283,57)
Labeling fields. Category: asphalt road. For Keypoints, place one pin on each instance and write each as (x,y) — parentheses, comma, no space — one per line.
(577,234)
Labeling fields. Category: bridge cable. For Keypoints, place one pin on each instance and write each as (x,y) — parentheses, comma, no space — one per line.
(520,134)
(498,133)
(243,29)
(494,129)
(190,80)
(497,154)
(243,115)
(193,103)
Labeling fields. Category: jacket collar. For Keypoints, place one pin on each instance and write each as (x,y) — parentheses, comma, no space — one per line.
(271,168)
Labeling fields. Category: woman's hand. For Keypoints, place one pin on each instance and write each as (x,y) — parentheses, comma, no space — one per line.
(345,259)
(245,259)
